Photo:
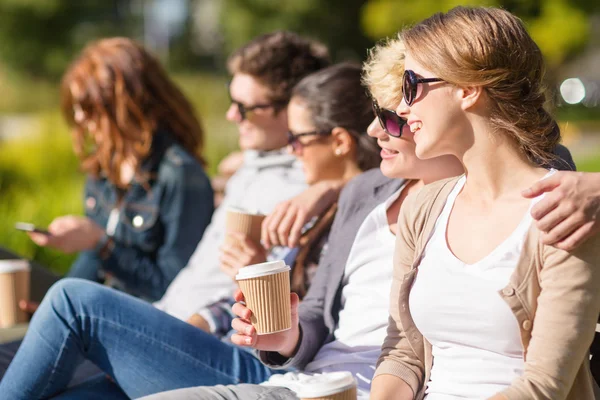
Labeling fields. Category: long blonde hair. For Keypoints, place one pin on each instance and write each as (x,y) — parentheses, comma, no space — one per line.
(126,96)
(490,47)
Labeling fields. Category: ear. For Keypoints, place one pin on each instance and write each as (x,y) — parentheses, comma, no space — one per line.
(342,142)
(469,96)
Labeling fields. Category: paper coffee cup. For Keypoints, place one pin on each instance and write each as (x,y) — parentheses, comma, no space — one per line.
(241,221)
(266,288)
(14,286)
(329,386)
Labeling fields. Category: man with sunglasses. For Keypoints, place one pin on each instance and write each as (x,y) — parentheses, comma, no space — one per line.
(264,71)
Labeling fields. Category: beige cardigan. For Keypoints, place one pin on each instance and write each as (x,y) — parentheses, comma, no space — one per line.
(554,295)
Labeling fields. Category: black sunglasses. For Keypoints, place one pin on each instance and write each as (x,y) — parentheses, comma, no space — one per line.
(293,138)
(246,111)
(391,122)
(410,85)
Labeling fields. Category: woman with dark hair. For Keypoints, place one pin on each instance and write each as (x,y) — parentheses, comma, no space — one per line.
(147,196)
(145,350)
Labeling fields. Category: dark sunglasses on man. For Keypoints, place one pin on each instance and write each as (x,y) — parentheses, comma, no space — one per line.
(246,111)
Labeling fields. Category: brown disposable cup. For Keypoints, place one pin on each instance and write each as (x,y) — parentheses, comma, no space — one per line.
(240,221)
(14,286)
(329,386)
(266,289)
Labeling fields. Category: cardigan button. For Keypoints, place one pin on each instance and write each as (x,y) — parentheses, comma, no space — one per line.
(508,291)
(527,325)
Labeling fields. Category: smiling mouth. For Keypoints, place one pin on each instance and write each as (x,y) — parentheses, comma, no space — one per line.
(415,126)
(385,153)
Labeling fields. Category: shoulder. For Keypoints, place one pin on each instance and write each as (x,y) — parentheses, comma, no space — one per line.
(428,195)
(177,165)
(426,202)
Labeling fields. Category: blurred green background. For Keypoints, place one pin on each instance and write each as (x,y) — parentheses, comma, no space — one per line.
(39,175)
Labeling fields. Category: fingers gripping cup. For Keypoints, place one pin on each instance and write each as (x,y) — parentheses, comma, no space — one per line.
(266,288)
(329,386)
(14,286)
(240,221)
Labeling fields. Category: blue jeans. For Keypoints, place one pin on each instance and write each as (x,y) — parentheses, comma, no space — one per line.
(142,349)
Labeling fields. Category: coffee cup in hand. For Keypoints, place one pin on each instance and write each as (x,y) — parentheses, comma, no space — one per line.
(244,222)
(266,289)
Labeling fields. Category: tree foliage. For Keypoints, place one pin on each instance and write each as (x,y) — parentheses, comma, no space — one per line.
(560,27)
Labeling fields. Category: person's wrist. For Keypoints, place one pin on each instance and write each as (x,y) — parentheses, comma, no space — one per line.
(104,246)
(292,348)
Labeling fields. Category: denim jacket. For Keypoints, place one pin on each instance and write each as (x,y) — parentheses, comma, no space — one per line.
(156,225)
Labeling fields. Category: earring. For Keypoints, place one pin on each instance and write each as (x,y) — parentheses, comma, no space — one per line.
(338,152)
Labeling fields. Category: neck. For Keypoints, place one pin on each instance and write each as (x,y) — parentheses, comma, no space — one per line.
(442,167)
(495,167)
(350,171)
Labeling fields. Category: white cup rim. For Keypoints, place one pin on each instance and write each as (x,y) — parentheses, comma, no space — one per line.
(10,266)
(262,269)
(240,210)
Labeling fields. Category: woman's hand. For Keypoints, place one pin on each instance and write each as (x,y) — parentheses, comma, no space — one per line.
(284,225)
(70,234)
(243,253)
(569,214)
(284,343)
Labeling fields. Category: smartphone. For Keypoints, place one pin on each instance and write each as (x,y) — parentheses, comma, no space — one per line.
(27,227)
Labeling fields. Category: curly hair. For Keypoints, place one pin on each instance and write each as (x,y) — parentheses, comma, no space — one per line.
(383,70)
(124,96)
(279,60)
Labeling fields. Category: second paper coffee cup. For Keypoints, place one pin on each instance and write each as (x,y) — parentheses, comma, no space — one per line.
(241,221)
(328,386)
(266,288)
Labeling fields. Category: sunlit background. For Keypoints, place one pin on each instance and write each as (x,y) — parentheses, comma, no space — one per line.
(39,176)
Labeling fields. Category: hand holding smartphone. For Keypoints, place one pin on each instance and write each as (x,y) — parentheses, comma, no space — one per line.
(27,227)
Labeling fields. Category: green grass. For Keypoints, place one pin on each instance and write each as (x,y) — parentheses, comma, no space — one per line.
(39,180)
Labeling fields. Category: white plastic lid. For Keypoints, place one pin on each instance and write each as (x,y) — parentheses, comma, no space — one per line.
(8,266)
(242,211)
(325,384)
(263,269)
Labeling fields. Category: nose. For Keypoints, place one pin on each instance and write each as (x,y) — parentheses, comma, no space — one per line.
(375,131)
(233,114)
(403,109)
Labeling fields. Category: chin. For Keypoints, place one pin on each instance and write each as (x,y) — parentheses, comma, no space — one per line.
(247,144)
(390,169)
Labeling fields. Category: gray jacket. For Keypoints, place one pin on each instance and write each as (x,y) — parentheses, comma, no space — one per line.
(319,310)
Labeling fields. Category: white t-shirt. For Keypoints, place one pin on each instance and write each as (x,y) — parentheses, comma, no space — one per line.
(475,337)
(364,313)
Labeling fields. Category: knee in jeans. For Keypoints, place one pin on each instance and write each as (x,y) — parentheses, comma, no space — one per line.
(71,291)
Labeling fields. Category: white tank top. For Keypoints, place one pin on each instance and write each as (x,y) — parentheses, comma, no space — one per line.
(475,337)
